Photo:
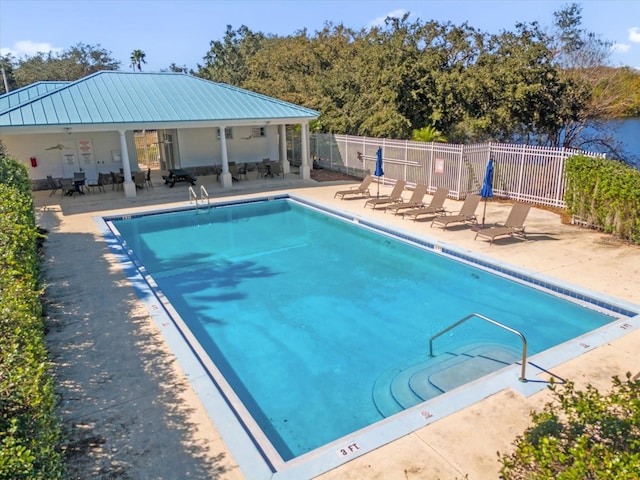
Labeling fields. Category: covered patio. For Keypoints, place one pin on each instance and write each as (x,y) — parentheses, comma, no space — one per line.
(58,129)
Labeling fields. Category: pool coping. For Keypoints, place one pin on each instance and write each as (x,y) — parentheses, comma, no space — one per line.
(249,456)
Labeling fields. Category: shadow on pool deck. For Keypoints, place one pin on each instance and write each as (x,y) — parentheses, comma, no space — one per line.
(131,412)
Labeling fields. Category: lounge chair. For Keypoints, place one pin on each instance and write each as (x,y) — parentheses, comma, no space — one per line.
(513,226)
(435,206)
(362,189)
(416,200)
(394,197)
(467,213)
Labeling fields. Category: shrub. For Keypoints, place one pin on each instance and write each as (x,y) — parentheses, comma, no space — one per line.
(605,193)
(30,432)
(581,435)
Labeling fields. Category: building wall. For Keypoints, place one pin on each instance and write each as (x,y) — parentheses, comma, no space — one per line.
(197,147)
(101,150)
(202,147)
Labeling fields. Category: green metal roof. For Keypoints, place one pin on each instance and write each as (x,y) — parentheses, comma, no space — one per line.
(24,94)
(112,97)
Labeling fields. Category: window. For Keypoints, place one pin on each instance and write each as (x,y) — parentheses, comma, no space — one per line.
(258,132)
(228,133)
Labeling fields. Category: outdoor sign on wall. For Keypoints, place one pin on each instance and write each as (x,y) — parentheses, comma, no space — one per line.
(439,165)
(85,148)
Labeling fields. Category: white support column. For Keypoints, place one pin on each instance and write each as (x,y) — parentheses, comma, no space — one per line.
(282,147)
(225,177)
(129,186)
(305,170)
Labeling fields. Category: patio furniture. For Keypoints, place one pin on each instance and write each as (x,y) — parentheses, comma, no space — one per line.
(513,226)
(70,187)
(276,169)
(116,180)
(467,213)
(178,175)
(360,190)
(139,179)
(98,183)
(394,197)
(435,206)
(53,185)
(415,201)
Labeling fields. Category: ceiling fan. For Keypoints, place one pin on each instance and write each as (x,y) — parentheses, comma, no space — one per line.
(56,147)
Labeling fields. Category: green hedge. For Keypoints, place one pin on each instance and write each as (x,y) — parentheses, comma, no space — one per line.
(605,193)
(30,431)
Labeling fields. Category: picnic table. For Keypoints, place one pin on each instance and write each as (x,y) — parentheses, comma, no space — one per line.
(178,175)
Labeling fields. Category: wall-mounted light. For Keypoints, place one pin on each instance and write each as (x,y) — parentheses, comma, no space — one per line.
(68,130)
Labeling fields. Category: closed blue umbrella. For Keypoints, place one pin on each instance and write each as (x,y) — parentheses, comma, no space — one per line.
(379,172)
(487,187)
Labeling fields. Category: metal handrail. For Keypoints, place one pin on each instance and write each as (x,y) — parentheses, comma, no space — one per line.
(193,196)
(204,194)
(523,378)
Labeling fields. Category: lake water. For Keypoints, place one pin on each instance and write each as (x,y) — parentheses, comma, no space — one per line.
(627,131)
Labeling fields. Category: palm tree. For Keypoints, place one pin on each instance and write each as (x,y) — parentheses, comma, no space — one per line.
(137,59)
(428,134)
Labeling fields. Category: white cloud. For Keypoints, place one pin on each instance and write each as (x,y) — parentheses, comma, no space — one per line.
(379,22)
(620,47)
(634,34)
(29,48)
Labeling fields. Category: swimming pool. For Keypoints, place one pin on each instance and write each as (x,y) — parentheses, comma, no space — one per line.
(354,341)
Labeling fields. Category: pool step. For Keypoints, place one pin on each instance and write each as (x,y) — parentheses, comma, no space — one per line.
(400,388)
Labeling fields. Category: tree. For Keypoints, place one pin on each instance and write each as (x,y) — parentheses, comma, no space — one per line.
(428,134)
(581,435)
(515,93)
(583,57)
(72,64)
(137,59)
(177,69)
(8,76)
(227,60)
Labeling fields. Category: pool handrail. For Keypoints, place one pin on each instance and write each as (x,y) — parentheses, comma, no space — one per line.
(522,378)
(203,195)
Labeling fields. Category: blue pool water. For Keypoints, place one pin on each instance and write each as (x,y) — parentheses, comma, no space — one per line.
(322,327)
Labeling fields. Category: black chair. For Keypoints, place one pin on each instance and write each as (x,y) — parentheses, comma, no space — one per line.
(53,185)
(148,179)
(103,179)
(68,187)
(116,180)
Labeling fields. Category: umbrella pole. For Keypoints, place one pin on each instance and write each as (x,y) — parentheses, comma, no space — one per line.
(378,194)
(484,211)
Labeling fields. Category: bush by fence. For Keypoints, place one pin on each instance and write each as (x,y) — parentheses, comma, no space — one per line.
(605,194)
(30,432)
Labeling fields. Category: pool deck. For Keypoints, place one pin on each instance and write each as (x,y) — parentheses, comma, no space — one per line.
(132,413)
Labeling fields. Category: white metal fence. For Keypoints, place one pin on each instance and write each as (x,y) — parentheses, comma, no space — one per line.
(521,172)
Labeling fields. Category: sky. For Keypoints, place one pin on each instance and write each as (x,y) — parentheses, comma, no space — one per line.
(180,31)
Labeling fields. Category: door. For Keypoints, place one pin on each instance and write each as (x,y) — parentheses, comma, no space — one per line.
(77,156)
(168,149)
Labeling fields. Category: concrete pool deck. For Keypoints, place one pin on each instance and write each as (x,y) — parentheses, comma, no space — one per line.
(132,413)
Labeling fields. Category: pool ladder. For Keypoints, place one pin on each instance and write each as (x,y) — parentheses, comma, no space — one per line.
(203,195)
(523,377)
